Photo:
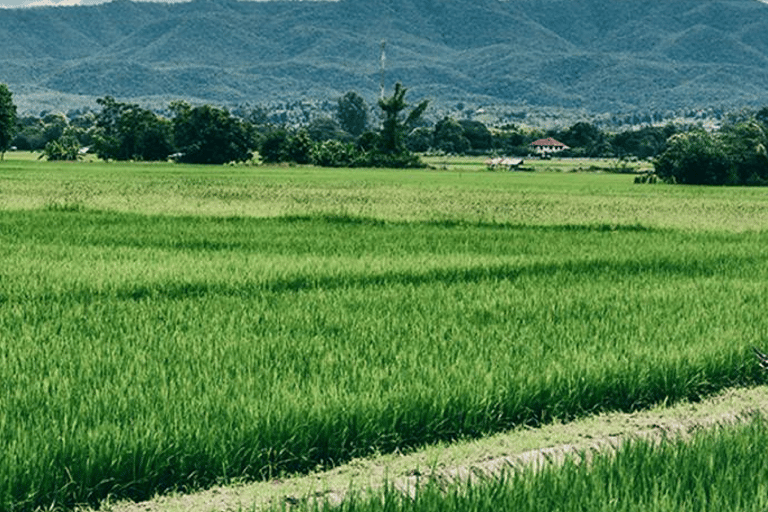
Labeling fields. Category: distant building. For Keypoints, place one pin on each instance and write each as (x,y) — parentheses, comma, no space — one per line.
(548,146)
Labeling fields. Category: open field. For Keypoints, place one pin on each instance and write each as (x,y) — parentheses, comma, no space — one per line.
(170,327)
(466,193)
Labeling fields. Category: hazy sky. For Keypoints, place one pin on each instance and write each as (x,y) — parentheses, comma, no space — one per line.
(32,3)
(10,4)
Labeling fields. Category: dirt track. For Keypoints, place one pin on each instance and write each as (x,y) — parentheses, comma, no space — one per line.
(466,459)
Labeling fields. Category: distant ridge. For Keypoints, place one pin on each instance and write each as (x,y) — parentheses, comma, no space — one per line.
(594,55)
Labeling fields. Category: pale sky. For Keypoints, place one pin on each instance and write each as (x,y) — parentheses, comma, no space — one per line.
(12,4)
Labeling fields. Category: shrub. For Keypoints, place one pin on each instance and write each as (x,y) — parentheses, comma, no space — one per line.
(334,153)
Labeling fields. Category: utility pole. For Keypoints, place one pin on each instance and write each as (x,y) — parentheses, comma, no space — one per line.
(383,65)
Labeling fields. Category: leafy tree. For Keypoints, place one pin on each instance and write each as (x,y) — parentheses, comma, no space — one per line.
(585,139)
(368,142)
(512,140)
(323,128)
(762,117)
(478,135)
(54,126)
(30,134)
(298,148)
(696,158)
(353,113)
(7,119)
(128,132)
(449,137)
(394,128)
(273,146)
(209,135)
(734,156)
(746,146)
(649,141)
(419,140)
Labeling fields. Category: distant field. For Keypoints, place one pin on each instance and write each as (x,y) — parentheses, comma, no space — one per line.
(466,192)
(169,327)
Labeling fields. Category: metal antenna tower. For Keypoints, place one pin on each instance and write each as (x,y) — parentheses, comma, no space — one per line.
(383,64)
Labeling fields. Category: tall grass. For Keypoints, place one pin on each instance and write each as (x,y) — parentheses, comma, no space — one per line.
(723,469)
(146,353)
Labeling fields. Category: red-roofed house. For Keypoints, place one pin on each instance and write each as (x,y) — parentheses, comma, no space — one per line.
(548,145)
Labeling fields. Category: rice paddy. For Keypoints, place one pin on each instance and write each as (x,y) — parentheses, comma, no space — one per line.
(166,327)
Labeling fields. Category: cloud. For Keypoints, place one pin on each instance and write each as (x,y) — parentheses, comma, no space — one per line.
(42,3)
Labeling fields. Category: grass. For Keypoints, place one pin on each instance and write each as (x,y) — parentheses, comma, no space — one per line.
(146,348)
(522,198)
(723,469)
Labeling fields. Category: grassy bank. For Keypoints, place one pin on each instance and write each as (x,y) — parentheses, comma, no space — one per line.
(723,469)
(147,349)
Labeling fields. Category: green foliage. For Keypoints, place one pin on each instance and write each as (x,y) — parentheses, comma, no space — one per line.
(368,142)
(646,142)
(420,140)
(298,148)
(35,132)
(209,135)
(695,158)
(352,113)
(734,156)
(449,137)
(8,126)
(65,148)
(323,128)
(273,146)
(335,153)
(746,143)
(394,127)
(128,132)
(478,135)
(585,140)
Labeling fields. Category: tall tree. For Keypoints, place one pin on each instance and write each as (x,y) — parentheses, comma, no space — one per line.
(353,113)
(7,119)
(209,135)
(394,128)
(129,132)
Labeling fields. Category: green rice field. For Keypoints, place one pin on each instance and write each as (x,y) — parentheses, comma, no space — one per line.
(167,327)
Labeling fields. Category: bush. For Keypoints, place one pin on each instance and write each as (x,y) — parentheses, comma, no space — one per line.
(334,153)
(65,148)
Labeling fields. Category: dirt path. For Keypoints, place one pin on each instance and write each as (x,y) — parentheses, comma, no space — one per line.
(465,459)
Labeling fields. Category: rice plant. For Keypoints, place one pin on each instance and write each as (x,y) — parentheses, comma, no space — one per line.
(142,353)
(721,469)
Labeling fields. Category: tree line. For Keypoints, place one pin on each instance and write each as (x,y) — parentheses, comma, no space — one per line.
(207,134)
(734,154)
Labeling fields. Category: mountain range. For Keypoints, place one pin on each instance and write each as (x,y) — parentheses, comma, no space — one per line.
(596,56)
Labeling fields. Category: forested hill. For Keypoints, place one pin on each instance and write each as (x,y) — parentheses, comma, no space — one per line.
(599,55)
